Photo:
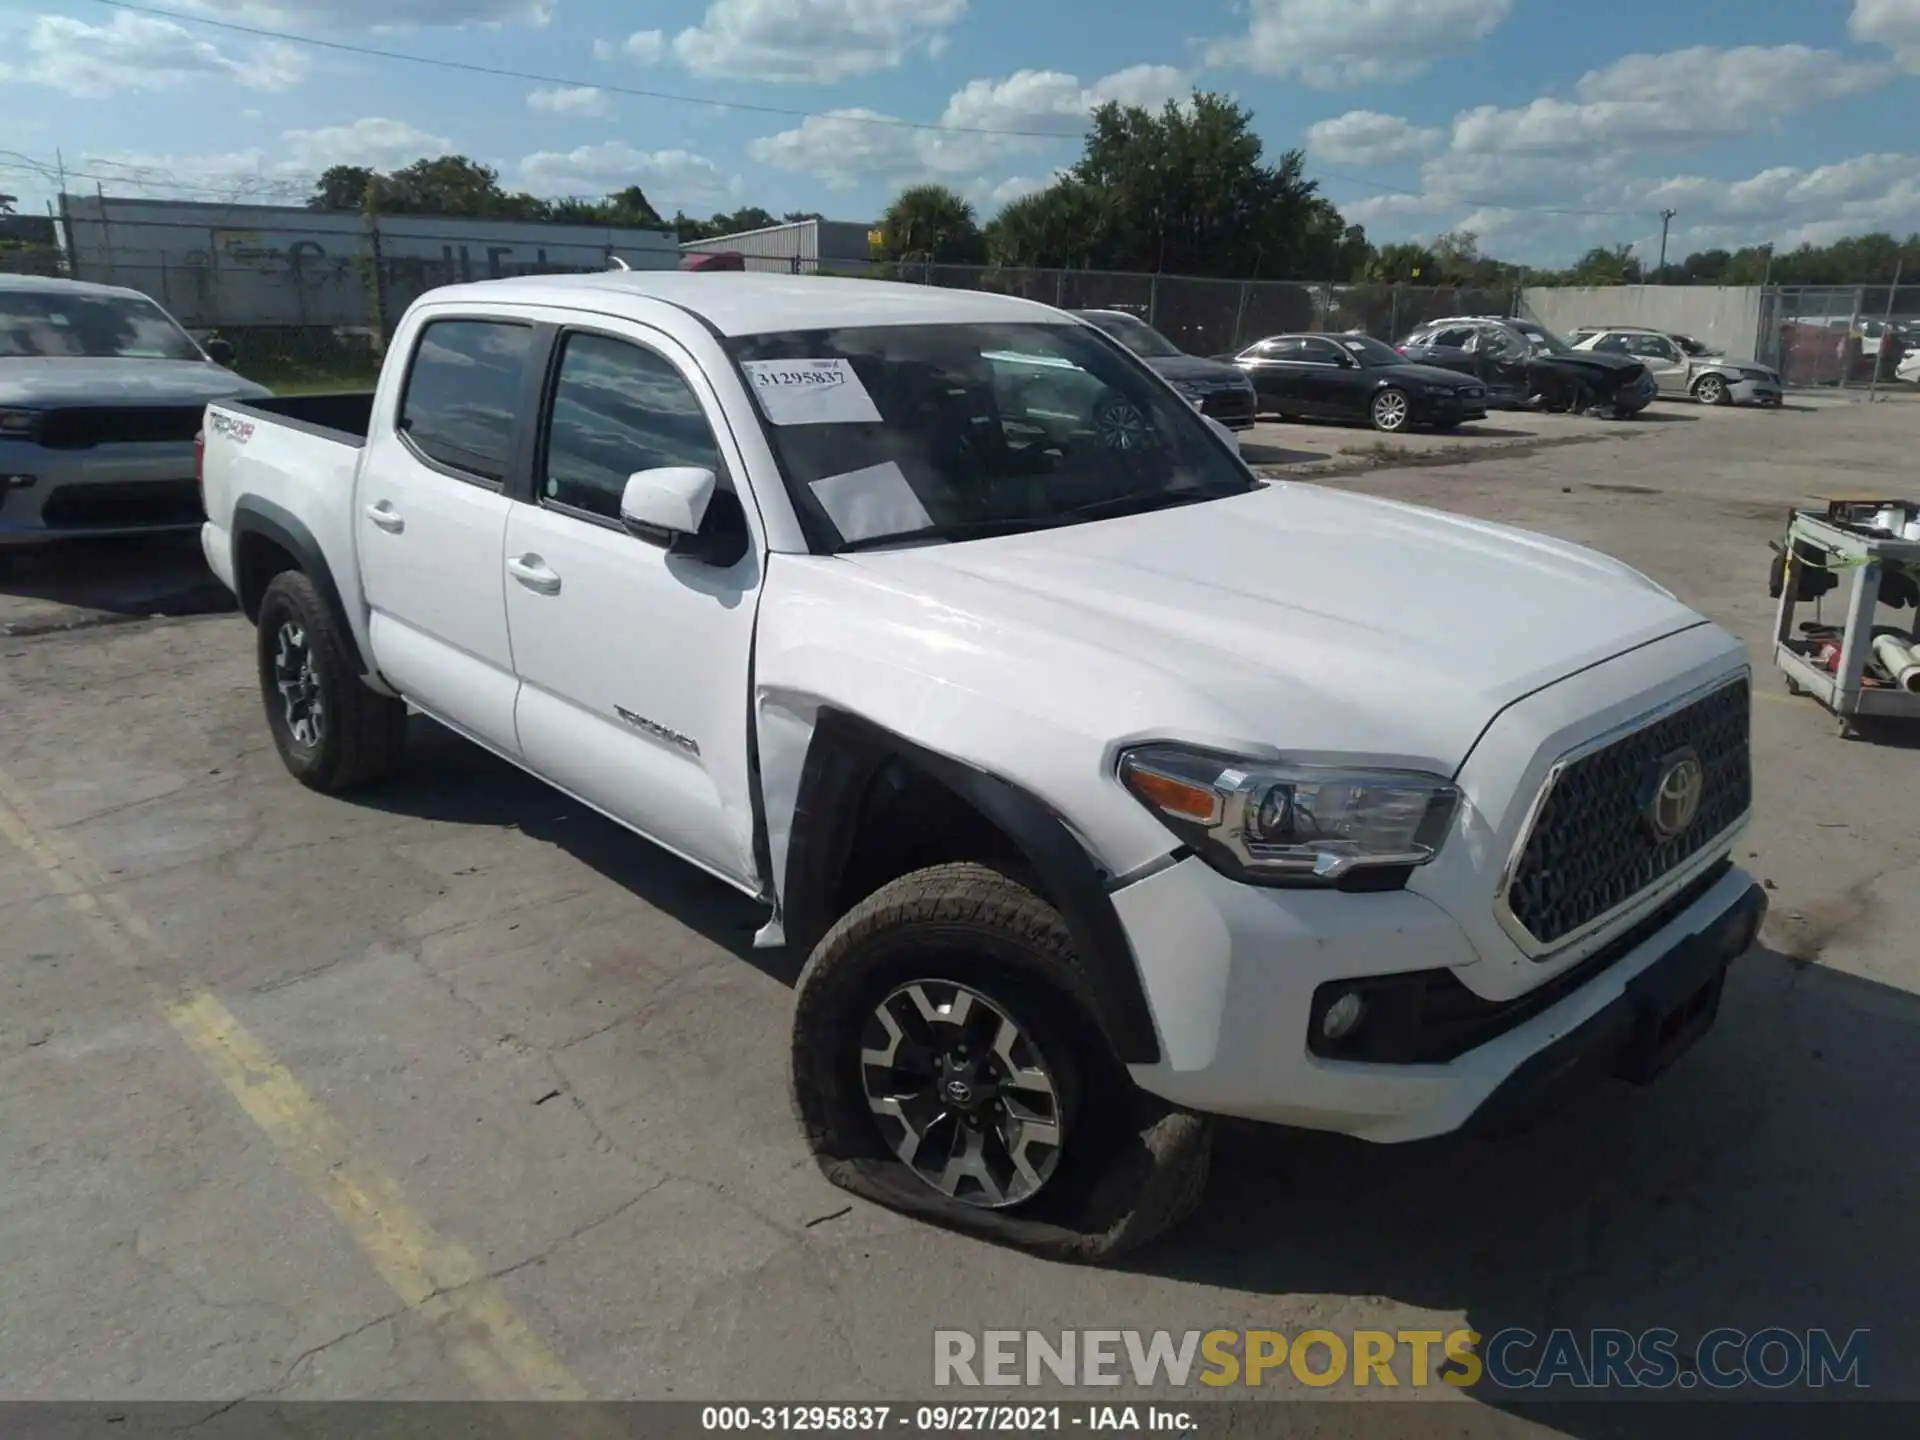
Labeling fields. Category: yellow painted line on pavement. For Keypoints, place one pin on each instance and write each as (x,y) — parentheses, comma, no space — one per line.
(436,1278)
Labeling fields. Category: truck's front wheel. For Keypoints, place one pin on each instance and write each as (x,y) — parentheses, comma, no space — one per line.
(332,732)
(946,1064)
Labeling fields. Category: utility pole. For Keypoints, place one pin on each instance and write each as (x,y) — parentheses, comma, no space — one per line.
(1666,219)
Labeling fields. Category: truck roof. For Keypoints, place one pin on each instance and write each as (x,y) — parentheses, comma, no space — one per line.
(755,302)
(59,285)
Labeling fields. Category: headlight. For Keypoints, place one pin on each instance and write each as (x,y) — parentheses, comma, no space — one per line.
(19,422)
(1746,374)
(1283,824)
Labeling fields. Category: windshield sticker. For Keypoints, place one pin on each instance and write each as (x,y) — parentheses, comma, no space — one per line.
(811,392)
(874,501)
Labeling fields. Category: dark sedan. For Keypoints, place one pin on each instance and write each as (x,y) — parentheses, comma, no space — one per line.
(1355,377)
(1217,390)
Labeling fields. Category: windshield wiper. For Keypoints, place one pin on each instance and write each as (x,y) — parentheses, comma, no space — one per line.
(1110,508)
(952,530)
(1115,506)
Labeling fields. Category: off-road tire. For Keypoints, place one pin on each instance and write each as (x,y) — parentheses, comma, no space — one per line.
(1131,1167)
(363,733)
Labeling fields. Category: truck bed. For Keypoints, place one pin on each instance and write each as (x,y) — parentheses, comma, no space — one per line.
(342,415)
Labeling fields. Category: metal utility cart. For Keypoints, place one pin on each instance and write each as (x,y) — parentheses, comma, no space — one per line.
(1867,556)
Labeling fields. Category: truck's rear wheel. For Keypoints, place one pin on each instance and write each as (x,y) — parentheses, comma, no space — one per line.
(332,732)
(946,1063)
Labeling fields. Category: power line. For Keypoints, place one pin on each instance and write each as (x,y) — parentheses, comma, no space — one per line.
(502,72)
(1467,200)
(885,121)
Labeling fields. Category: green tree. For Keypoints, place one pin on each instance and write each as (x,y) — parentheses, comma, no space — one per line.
(1065,225)
(931,223)
(342,187)
(1187,191)
(446,185)
(1404,263)
(1332,248)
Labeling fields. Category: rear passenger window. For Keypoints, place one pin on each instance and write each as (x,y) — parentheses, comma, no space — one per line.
(462,392)
(617,409)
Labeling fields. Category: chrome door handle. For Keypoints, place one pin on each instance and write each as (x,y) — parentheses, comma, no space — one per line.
(534,573)
(386,517)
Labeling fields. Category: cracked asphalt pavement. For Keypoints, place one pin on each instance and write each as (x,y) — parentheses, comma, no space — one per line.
(557,1048)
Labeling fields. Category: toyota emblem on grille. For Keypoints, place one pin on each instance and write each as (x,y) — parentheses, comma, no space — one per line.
(1678,784)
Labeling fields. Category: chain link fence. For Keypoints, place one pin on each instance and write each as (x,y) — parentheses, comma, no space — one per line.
(1844,336)
(1201,315)
(307,306)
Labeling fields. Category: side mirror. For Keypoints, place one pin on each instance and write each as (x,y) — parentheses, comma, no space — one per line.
(682,509)
(666,502)
(219,351)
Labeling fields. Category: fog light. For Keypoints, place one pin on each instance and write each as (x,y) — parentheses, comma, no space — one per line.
(1340,1018)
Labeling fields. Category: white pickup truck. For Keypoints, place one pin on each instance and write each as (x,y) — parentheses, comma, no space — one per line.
(1104,786)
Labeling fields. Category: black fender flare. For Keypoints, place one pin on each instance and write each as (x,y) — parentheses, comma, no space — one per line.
(846,752)
(254,516)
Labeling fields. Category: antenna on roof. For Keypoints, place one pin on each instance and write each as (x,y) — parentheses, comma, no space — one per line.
(614,262)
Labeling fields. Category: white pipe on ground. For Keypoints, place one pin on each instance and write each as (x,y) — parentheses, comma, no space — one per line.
(1901,662)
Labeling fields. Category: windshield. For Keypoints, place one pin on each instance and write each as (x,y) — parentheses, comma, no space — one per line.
(1369,351)
(1138,336)
(75,324)
(1541,337)
(952,432)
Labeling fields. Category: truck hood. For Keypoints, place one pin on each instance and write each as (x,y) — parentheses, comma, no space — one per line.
(50,382)
(1336,622)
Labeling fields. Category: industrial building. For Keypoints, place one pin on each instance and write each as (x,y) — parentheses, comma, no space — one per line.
(800,246)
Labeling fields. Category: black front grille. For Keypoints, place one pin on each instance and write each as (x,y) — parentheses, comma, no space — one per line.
(1592,847)
(118,503)
(1227,406)
(81,427)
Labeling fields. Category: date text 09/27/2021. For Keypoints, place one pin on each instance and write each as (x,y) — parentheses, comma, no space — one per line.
(947,1419)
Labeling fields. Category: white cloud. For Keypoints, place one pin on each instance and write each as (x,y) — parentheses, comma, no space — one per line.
(375,14)
(1892,23)
(1790,205)
(138,52)
(1784,204)
(1366,137)
(372,140)
(569,100)
(643,46)
(812,40)
(287,173)
(1330,43)
(1678,98)
(842,151)
(670,177)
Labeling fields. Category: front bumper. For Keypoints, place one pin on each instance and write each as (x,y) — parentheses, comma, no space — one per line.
(1448,408)
(129,489)
(1231,972)
(1754,392)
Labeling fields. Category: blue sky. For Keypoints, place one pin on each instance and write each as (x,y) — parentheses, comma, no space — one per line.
(1545,126)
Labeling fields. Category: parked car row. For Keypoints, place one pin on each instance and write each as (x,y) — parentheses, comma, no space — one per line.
(1455,369)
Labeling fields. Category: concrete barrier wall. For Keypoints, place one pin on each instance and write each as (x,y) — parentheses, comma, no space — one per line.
(255,265)
(1725,317)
